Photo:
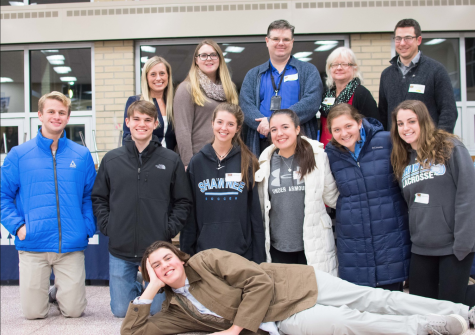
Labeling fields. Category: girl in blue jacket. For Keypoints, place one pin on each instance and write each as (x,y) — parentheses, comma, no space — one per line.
(373,242)
(226,212)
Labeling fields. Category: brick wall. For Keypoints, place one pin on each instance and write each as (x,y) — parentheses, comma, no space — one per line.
(114,76)
(373,52)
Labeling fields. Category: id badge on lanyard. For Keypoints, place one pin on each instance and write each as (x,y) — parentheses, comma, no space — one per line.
(276,100)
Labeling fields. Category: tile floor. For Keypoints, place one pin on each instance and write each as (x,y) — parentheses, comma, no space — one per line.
(97,318)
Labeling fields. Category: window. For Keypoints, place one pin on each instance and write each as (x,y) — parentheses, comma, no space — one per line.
(447,52)
(239,56)
(65,70)
(12,82)
(470,67)
(27,73)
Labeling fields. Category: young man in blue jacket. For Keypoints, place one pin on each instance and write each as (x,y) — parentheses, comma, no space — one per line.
(46,204)
(280,83)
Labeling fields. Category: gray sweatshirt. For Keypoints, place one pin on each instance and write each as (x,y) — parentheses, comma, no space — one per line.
(441,201)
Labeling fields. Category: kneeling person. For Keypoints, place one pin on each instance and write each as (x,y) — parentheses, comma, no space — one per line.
(141,194)
(50,177)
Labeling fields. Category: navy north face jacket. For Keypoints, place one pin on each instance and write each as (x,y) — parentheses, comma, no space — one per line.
(373,240)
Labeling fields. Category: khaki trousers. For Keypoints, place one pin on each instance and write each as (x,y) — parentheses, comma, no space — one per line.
(346,309)
(70,277)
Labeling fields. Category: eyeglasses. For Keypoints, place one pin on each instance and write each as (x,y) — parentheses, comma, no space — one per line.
(343,65)
(203,57)
(278,40)
(407,39)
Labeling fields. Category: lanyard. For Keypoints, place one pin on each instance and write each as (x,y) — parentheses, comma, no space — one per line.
(276,89)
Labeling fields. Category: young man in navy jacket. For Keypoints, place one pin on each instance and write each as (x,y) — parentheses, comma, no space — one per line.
(46,204)
(141,195)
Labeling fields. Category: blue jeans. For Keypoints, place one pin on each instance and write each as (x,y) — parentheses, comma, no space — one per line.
(124,287)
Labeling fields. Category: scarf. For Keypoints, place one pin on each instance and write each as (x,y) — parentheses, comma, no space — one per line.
(344,96)
(212,90)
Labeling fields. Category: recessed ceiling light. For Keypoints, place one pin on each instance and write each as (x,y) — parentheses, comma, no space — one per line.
(234,49)
(144,59)
(227,60)
(326,42)
(325,47)
(6,80)
(62,69)
(303,54)
(305,59)
(148,48)
(435,41)
(55,59)
(68,78)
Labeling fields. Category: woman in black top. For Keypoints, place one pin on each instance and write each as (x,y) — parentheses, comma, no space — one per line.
(157,87)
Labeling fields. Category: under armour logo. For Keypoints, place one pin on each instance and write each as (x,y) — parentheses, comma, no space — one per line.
(160,166)
(72,165)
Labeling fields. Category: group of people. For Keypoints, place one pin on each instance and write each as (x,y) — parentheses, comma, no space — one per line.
(257,246)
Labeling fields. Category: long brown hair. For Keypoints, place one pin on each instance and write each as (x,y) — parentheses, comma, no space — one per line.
(183,256)
(434,145)
(337,111)
(249,163)
(303,151)
(223,75)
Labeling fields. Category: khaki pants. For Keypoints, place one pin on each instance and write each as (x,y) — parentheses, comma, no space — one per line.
(346,309)
(70,277)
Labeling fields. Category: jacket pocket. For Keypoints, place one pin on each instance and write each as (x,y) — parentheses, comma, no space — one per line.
(29,229)
(428,227)
(280,290)
(226,235)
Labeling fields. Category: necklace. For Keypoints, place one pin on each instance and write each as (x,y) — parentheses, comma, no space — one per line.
(221,157)
(289,167)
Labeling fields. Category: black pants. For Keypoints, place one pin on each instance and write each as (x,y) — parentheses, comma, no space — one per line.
(392,287)
(297,257)
(442,277)
(263,144)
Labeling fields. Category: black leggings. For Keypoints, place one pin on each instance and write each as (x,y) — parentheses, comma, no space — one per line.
(442,277)
(297,257)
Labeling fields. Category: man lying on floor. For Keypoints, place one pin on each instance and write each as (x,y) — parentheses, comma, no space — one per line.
(223,293)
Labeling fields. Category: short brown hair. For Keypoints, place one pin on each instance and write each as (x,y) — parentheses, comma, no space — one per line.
(143,107)
(280,24)
(339,110)
(55,95)
(409,23)
(183,256)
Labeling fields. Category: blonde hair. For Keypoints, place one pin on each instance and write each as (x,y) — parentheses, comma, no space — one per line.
(55,95)
(345,53)
(169,91)
(223,75)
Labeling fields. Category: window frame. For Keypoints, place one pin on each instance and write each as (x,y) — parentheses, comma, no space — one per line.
(226,39)
(28,116)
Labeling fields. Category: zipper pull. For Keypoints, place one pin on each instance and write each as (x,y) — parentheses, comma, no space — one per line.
(358,164)
(138,177)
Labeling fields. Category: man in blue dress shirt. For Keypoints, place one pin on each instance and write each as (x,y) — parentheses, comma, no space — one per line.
(282,82)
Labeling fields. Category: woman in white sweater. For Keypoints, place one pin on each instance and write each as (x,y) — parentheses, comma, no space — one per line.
(295,183)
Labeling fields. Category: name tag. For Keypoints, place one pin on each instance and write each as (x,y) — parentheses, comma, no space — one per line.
(329,101)
(291,77)
(422,198)
(233,177)
(413,88)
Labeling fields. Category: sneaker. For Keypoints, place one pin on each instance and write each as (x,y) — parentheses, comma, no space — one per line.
(52,294)
(445,324)
(471,316)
